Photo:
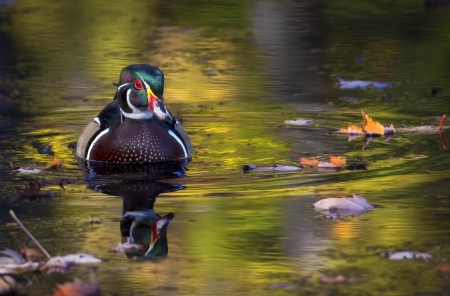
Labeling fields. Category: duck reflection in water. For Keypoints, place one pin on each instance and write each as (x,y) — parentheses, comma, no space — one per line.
(143,231)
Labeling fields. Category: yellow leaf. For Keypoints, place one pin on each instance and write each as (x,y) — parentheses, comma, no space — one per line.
(371,127)
(338,161)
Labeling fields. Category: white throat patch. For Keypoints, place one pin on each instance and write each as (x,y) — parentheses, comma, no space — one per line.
(137,112)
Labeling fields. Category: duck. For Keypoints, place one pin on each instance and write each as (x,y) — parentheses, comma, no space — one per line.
(135,127)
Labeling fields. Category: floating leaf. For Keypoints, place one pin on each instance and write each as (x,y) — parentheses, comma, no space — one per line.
(338,161)
(389,130)
(370,127)
(352,130)
(299,122)
(309,162)
(278,167)
(55,163)
(337,208)
(345,84)
(408,255)
(326,164)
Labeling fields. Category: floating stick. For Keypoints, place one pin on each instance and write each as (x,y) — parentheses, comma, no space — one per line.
(442,121)
(385,73)
(11,212)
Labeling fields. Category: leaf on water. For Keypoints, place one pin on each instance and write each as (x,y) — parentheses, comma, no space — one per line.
(352,130)
(338,161)
(298,122)
(347,84)
(28,170)
(389,130)
(121,247)
(79,288)
(326,164)
(338,208)
(278,167)
(309,162)
(55,163)
(370,127)
(408,255)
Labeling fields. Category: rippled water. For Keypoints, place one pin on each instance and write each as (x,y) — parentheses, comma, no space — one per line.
(235,71)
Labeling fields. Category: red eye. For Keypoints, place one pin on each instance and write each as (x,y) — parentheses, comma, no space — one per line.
(138,84)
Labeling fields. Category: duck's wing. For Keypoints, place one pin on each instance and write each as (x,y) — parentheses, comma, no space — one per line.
(110,117)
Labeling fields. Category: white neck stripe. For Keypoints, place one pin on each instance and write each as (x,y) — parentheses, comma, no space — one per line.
(136,112)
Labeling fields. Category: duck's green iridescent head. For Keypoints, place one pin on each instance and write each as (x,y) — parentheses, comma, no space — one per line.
(140,92)
(151,75)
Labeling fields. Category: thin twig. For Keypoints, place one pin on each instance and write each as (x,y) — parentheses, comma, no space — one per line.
(385,73)
(442,121)
(11,212)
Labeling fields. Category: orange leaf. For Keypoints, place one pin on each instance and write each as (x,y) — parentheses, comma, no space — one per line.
(338,161)
(352,130)
(55,163)
(371,127)
(309,162)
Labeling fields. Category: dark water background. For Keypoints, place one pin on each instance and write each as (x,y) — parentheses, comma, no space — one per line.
(235,70)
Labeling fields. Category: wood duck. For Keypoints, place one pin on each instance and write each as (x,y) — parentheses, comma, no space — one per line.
(135,127)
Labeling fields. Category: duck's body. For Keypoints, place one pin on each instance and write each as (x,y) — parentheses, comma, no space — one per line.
(135,127)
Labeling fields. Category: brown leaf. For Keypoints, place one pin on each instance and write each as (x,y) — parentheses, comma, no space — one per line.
(338,161)
(333,280)
(11,224)
(371,127)
(309,162)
